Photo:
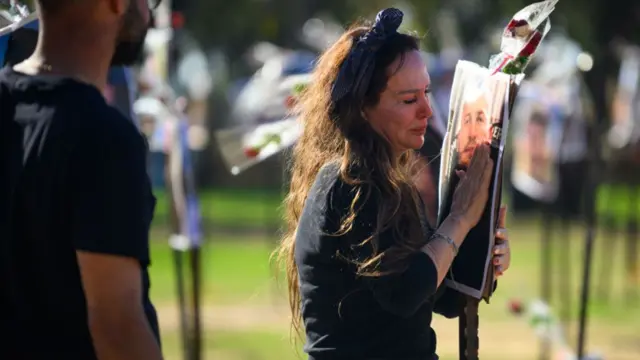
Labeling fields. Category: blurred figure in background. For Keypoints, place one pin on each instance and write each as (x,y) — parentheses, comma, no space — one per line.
(76,206)
(556,92)
(164,122)
(536,158)
(121,90)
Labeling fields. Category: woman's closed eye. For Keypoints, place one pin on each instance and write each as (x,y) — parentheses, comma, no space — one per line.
(414,99)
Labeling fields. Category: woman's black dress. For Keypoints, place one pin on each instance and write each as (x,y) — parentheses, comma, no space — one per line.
(351,317)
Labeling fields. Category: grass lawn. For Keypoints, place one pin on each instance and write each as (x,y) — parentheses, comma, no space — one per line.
(231,208)
(245,316)
(235,269)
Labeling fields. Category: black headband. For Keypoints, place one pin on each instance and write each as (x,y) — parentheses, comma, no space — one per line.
(357,69)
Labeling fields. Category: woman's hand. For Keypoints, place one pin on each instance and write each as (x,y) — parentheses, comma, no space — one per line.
(472,192)
(501,251)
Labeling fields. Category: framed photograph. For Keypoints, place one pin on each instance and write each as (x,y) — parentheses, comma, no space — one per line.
(478,113)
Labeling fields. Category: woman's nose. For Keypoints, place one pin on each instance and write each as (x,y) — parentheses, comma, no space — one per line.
(425,110)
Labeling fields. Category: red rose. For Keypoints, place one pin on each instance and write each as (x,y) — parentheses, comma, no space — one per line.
(516,23)
(290,102)
(532,45)
(513,26)
(251,152)
(515,306)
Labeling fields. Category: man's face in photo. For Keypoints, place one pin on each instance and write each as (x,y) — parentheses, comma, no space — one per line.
(474,128)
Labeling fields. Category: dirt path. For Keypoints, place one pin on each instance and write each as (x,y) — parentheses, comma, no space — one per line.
(233,317)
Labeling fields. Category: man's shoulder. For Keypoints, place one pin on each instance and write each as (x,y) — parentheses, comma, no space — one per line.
(110,122)
(111,134)
(98,123)
(81,107)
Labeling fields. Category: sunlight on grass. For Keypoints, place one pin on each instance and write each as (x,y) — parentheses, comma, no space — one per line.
(231,207)
(237,274)
(234,269)
(264,207)
(237,269)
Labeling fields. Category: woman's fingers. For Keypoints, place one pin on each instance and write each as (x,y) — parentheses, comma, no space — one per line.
(479,160)
(502,217)
(483,179)
(477,156)
(501,261)
(474,158)
(502,235)
(472,191)
(486,175)
(501,249)
(486,167)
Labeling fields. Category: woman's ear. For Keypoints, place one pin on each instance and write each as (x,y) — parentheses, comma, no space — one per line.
(363,113)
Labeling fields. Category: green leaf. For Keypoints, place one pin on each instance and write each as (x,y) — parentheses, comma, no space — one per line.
(299,88)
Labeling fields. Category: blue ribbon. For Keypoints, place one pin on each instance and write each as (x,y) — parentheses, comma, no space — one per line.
(192,226)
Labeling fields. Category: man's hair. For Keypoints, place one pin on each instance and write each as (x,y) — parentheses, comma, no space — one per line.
(472,92)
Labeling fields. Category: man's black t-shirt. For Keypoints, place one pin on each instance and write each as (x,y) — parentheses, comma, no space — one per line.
(73,177)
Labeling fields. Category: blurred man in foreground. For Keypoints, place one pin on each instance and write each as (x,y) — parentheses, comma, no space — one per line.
(75,199)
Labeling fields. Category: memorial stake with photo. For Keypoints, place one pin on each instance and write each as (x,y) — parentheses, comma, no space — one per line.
(480,105)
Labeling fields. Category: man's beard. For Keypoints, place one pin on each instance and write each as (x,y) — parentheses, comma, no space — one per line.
(130,46)
(465,156)
(129,53)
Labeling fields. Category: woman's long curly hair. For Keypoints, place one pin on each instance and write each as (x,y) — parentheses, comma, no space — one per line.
(338,132)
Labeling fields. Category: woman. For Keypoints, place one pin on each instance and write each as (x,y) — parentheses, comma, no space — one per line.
(363,265)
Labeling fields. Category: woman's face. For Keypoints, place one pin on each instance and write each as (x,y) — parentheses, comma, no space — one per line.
(401,115)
